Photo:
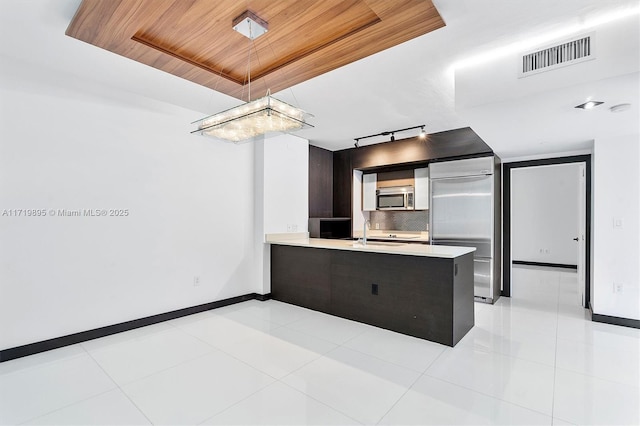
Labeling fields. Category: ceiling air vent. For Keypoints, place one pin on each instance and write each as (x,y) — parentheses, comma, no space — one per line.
(568,53)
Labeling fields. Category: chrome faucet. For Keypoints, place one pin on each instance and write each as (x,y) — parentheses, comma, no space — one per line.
(364,232)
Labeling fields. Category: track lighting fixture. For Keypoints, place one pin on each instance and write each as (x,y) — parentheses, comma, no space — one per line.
(391,134)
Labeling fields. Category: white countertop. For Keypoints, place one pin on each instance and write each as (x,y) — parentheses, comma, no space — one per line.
(373,246)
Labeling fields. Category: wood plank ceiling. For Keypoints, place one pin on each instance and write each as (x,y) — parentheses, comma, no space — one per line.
(194,39)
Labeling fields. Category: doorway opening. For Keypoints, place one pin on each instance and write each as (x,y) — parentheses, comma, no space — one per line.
(555,253)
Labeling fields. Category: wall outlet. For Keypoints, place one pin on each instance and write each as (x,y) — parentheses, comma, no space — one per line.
(618,222)
(377,226)
(292,227)
(196,280)
(617,287)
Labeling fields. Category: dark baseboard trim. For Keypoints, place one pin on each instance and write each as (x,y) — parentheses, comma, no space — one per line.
(263,297)
(548,265)
(625,322)
(83,336)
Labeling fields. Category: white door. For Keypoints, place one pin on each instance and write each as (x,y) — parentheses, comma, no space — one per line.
(581,232)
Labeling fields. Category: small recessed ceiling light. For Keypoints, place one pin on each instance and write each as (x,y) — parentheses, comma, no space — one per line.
(589,105)
(620,107)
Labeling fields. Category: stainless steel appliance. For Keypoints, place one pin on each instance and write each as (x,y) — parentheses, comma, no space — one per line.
(465,212)
(395,198)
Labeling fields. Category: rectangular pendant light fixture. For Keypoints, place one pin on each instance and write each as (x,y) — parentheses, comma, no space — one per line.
(258,117)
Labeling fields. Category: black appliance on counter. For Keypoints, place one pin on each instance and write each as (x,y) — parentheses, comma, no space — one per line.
(336,228)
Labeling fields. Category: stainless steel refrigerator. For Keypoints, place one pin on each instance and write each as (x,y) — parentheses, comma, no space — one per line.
(465,211)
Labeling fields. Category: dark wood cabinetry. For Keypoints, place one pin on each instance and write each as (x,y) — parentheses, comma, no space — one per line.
(342,175)
(426,297)
(401,154)
(320,182)
(301,276)
(452,144)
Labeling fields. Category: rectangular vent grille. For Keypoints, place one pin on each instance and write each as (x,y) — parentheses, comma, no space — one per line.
(569,53)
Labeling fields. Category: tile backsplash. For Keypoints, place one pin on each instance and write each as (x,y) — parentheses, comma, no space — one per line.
(413,221)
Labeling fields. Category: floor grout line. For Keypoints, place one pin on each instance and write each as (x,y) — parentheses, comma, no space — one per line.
(400,398)
(119,387)
(236,403)
(321,402)
(410,387)
(489,395)
(80,400)
(67,406)
(486,394)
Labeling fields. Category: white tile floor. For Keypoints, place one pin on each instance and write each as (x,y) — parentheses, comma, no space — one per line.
(530,359)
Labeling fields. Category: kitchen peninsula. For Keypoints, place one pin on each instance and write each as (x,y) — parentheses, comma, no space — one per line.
(420,290)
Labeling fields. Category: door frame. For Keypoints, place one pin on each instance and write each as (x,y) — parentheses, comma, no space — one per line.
(506,216)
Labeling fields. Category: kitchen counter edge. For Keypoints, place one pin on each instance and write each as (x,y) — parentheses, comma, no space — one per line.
(406,249)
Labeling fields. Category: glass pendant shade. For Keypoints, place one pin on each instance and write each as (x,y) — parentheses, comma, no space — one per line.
(259,117)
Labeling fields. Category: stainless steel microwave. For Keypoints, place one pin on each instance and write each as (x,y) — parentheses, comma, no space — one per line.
(395,198)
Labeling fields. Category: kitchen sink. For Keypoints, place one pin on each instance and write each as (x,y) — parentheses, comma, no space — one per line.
(379,244)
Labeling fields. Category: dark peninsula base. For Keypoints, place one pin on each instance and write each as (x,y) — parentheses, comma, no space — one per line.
(421,296)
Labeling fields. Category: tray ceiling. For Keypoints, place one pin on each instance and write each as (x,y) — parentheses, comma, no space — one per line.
(194,39)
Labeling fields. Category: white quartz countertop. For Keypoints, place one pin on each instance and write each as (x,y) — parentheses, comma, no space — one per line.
(373,246)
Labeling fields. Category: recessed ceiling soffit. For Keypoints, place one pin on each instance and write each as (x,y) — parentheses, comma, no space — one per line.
(195,40)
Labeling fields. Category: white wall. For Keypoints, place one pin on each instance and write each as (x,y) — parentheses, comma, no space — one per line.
(286,184)
(282,194)
(83,146)
(616,250)
(544,214)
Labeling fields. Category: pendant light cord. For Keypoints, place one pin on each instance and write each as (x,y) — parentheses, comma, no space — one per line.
(249,71)
(247,80)
(252,44)
(284,74)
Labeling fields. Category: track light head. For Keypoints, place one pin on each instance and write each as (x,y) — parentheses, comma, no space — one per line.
(422,134)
